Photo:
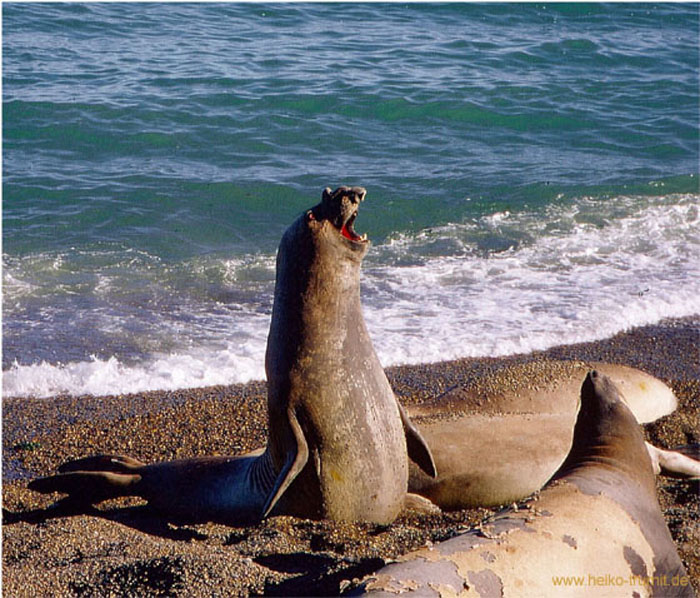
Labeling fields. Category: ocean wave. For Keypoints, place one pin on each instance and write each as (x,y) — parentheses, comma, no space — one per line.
(500,284)
(582,273)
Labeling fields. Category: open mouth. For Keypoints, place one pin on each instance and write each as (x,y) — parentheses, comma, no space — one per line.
(340,208)
(348,231)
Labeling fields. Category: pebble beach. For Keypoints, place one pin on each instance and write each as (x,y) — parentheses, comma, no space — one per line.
(122,549)
(532,177)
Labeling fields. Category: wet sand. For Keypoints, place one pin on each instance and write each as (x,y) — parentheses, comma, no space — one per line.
(122,549)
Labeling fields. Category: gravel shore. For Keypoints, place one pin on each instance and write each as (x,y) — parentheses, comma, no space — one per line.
(121,549)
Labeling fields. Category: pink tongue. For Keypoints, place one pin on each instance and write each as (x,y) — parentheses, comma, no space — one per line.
(347,234)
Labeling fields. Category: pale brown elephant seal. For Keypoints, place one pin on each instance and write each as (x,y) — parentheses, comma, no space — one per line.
(338,438)
(500,436)
(596,530)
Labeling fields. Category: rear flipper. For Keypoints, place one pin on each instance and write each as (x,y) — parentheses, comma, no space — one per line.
(678,463)
(113,463)
(88,487)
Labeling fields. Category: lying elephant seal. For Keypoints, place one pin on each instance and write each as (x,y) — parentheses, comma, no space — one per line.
(502,435)
(596,530)
(338,438)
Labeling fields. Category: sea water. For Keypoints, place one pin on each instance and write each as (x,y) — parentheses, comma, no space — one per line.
(532,177)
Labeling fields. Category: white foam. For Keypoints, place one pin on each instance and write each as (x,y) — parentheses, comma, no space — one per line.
(109,377)
(593,278)
(582,272)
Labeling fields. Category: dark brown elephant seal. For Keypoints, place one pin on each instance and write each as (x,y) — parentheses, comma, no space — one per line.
(596,530)
(500,437)
(329,400)
(338,439)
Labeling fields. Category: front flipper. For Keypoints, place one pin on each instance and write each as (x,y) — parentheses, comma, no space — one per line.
(417,447)
(294,464)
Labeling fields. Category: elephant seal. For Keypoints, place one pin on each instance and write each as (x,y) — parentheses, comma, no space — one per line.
(595,530)
(338,438)
(501,436)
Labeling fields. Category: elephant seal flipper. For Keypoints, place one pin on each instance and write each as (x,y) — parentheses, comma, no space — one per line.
(114,463)
(418,450)
(675,463)
(295,464)
(92,479)
(87,487)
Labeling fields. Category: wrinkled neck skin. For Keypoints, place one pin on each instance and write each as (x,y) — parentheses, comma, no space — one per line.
(321,365)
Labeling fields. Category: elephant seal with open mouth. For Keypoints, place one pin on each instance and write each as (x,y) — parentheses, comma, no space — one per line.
(338,438)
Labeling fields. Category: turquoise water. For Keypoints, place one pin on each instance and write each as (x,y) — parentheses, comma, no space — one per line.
(532,177)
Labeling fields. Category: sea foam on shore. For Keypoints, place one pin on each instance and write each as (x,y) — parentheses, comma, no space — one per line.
(579,273)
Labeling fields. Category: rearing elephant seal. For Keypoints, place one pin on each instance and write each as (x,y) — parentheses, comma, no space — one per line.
(596,530)
(341,435)
(338,438)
